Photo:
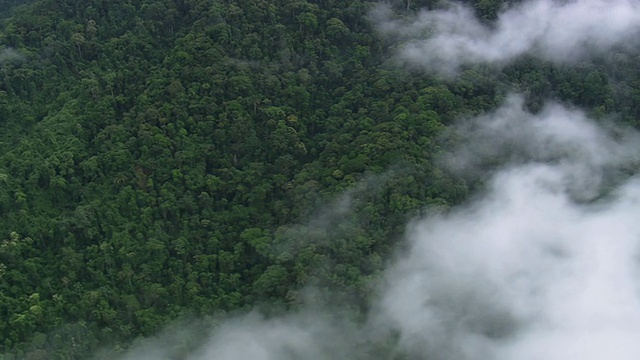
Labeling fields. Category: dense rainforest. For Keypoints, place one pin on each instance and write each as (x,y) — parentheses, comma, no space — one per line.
(170,158)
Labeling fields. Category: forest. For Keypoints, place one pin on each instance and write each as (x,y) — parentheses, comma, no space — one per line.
(190,158)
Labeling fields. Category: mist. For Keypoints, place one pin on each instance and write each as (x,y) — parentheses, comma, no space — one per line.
(445,40)
(252,336)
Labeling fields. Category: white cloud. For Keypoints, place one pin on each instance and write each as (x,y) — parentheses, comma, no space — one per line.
(528,272)
(560,31)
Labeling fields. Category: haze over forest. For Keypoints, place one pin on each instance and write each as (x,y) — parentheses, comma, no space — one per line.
(295,179)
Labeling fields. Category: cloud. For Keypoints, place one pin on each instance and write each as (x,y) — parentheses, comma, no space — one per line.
(595,153)
(296,336)
(526,271)
(445,40)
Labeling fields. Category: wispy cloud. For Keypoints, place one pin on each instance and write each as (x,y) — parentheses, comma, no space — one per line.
(444,40)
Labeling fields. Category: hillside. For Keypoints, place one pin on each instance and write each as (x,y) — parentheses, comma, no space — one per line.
(161,159)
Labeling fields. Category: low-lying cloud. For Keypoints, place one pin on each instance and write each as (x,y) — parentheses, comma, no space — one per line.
(544,265)
(594,153)
(541,266)
(444,40)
